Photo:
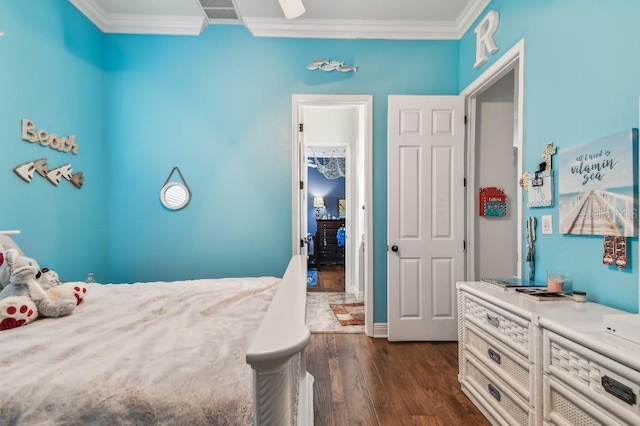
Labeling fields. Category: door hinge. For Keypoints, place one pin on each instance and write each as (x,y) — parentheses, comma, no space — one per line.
(301,127)
(301,242)
(465,120)
(464,245)
(301,185)
(464,182)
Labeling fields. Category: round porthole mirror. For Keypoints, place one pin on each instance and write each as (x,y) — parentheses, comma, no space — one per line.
(174,195)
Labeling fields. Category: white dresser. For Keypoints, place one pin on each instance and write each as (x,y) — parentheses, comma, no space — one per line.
(525,362)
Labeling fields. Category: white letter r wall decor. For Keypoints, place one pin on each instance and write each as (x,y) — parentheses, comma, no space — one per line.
(484,37)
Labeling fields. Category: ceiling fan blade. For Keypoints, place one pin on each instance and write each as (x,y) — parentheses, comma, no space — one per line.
(292,8)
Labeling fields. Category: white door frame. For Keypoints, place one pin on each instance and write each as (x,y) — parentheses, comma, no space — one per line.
(511,60)
(366,101)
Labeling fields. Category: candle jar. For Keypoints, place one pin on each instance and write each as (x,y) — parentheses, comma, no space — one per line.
(555,281)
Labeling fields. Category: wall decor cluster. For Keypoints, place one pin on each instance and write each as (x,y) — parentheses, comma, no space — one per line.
(26,171)
(44,138)
(539,184)
(597,195)
(329,65)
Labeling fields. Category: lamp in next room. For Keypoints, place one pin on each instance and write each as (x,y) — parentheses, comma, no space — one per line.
(318,203)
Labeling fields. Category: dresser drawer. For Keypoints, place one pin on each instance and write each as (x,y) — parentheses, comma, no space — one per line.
(563,406)
(504,326)
(609,386)
(507,364)
(493,391)
(327,256)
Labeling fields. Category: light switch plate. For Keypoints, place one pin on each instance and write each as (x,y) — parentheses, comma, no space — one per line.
(547,224)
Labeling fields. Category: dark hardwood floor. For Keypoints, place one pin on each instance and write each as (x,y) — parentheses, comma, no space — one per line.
(364,381)
(330,279)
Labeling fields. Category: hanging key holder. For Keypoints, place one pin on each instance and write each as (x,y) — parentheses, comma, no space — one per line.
(175,195)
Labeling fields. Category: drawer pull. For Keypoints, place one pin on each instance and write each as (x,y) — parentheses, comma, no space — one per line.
(494,392)
(493,319)
(495,356)
(619,390)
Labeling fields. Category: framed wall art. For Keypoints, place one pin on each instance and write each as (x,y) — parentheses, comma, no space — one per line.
(597,183)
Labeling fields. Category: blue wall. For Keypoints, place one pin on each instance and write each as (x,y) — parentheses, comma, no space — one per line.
(51,73)
(330,189)
(219,107)
(581,83)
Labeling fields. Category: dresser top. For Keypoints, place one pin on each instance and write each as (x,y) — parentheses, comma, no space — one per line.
(578,321)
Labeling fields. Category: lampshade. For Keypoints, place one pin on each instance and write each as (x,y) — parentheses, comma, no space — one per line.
(292,8)
(318,202)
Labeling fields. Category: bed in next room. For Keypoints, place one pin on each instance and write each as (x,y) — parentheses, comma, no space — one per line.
(164,353)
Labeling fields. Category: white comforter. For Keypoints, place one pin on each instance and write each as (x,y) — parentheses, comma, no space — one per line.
(154,353)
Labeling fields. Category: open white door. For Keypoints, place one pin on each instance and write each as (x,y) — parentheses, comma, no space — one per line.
(302,194)
(425,216)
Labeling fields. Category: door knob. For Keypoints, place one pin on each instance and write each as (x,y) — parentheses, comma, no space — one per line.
(394,248)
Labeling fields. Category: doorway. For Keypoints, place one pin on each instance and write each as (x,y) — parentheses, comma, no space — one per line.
(495,102)
(334,133)
(327,170)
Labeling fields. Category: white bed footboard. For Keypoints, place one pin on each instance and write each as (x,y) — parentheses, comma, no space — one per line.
(282,388)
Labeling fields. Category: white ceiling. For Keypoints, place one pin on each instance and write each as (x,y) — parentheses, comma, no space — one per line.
(373,19)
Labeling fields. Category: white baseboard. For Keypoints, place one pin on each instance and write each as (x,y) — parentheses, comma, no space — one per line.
(380,330)
(359,295)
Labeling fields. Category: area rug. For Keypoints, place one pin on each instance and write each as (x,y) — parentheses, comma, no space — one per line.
(320,318)
(349,313)
(312,277)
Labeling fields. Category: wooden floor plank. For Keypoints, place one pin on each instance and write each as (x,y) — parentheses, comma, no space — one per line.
(366,381)
(360,409)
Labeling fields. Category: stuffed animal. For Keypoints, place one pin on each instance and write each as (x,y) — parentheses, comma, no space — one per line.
(24,291)
(48,278)
(16,306)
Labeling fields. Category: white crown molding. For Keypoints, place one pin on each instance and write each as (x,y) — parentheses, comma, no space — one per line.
(140,24)
(91,10)
(469,15)
(296,28)
(350,29)
(149,24)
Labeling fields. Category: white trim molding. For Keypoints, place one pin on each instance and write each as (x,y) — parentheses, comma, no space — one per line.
(140,24)
(280,27)
(381,330)
(469,15)
(350,29)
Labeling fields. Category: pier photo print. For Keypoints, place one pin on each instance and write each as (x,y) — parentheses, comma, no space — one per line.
(597,190)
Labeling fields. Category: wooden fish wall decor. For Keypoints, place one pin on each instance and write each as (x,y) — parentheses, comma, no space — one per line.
(26,171)
(329,65)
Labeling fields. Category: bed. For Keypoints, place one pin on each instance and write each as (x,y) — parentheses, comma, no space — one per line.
(223,352)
